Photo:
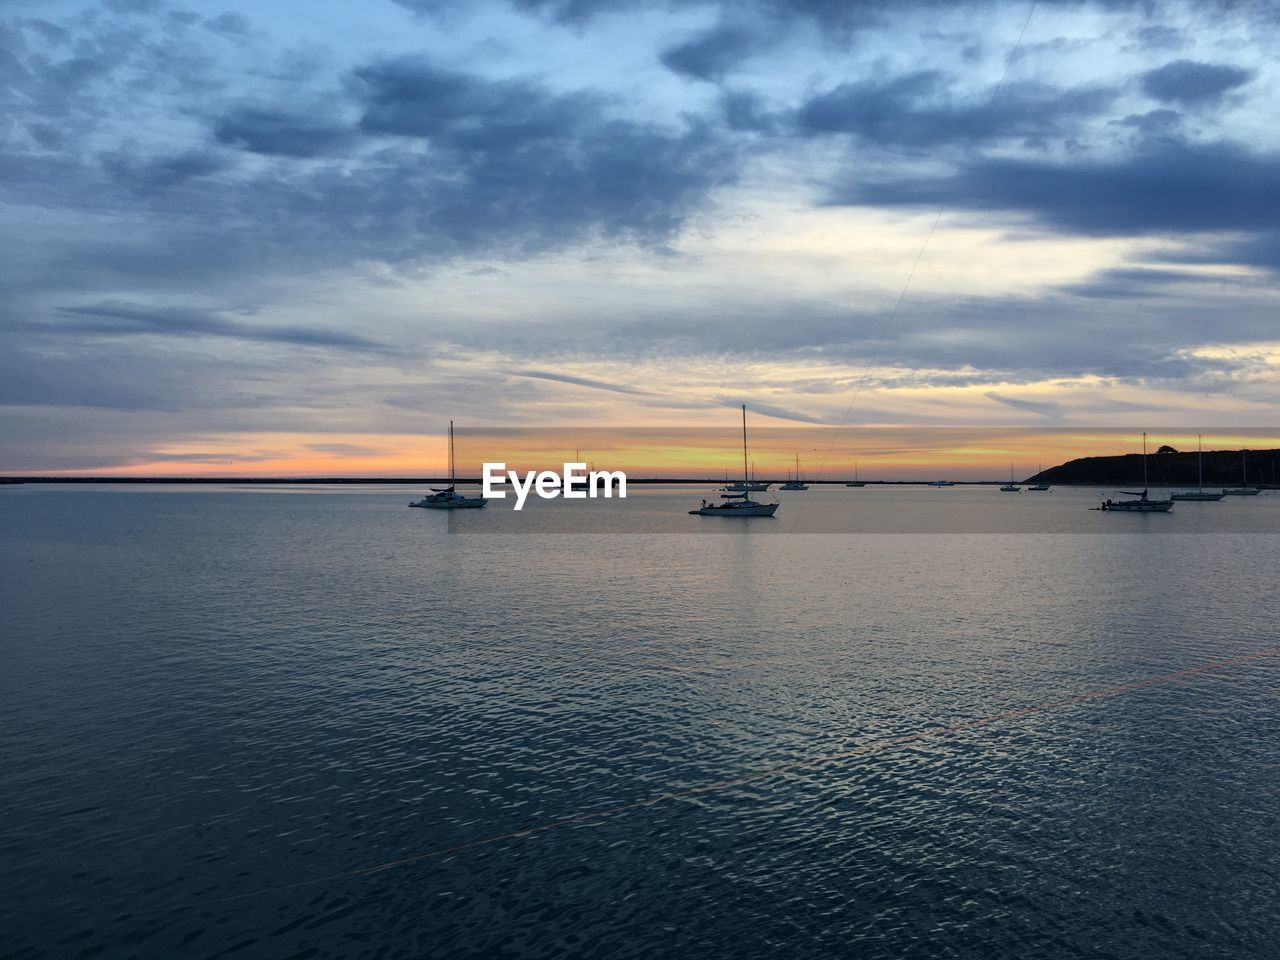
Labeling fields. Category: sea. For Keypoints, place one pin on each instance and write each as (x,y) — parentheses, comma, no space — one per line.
(254,721)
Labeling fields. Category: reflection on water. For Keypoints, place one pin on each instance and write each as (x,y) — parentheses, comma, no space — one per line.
(208,692)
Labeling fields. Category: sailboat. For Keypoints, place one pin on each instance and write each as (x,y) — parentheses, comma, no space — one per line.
(447,498)
(1243,490)
(1040,487)
(1142,504)
(1199,492)
(749,483)
(795,483)
(855,482)
(1011,487)
(738,504)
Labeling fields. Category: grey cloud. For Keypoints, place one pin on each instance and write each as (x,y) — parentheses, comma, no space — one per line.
(1128,282)
(711,54)
(763,408)
(229,24)
(347,449)
(1154,123)
(276,132)
(1169,188)
(916,111)
(1158,36)
(578,381)
(157,173)
(1189,82)
(122,319)
(1043,408)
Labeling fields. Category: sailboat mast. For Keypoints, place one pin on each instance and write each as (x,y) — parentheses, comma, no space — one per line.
(1144,461)
(1200,462)
(746,476)
(453,480)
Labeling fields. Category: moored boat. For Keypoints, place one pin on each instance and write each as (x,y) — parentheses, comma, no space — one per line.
(1144,504)
(738,504)
(1200,493)
(448,498)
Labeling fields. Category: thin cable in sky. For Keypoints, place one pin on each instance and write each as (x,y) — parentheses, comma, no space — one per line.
(884,330)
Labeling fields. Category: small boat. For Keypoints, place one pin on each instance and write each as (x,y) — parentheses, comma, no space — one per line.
(738,504)
(855,482)
(1038,487)
(1011,487)
(1143,504)
(1199,493)
(1244,490)
(795,483)
(448,498)
(942,483)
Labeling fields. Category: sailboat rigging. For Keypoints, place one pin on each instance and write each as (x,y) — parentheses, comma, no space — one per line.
(448,498)
(738,504)
(1143,504)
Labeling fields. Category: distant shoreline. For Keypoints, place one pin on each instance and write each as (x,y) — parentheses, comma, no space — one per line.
(475,481)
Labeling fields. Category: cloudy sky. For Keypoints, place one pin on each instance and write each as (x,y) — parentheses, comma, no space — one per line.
(248,236)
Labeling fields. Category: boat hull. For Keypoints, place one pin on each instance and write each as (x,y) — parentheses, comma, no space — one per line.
(732,510)
(1245,492)
(1200,497)
(1138,506)
(462,503)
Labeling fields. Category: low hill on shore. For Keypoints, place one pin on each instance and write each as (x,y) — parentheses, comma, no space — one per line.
(1222,468)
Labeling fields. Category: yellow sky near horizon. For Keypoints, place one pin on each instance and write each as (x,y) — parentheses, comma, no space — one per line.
(880,453)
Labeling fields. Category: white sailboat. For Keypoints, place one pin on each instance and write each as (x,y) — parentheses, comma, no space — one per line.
(738,504)
(1244,490)
(1143,504)
(795,483)
(1011,487)
(448,498)
(1199,493)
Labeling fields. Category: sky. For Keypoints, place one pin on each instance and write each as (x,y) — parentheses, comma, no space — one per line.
(258,238)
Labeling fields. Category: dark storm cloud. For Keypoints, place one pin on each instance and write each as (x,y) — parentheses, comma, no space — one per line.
(122,319)
(1169,188)
(711,54)
(1189,82)
(915,111)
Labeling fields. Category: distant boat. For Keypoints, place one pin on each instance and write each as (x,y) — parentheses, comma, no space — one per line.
(1143,504)
(447,498)
(738,504)
(749,483)
(1038,487)
(942,483)
(1199,493)
(795,483)
(1243,490)
(1011,487)
(855,482)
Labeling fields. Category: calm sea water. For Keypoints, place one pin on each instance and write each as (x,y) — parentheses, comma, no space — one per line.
(218,706)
